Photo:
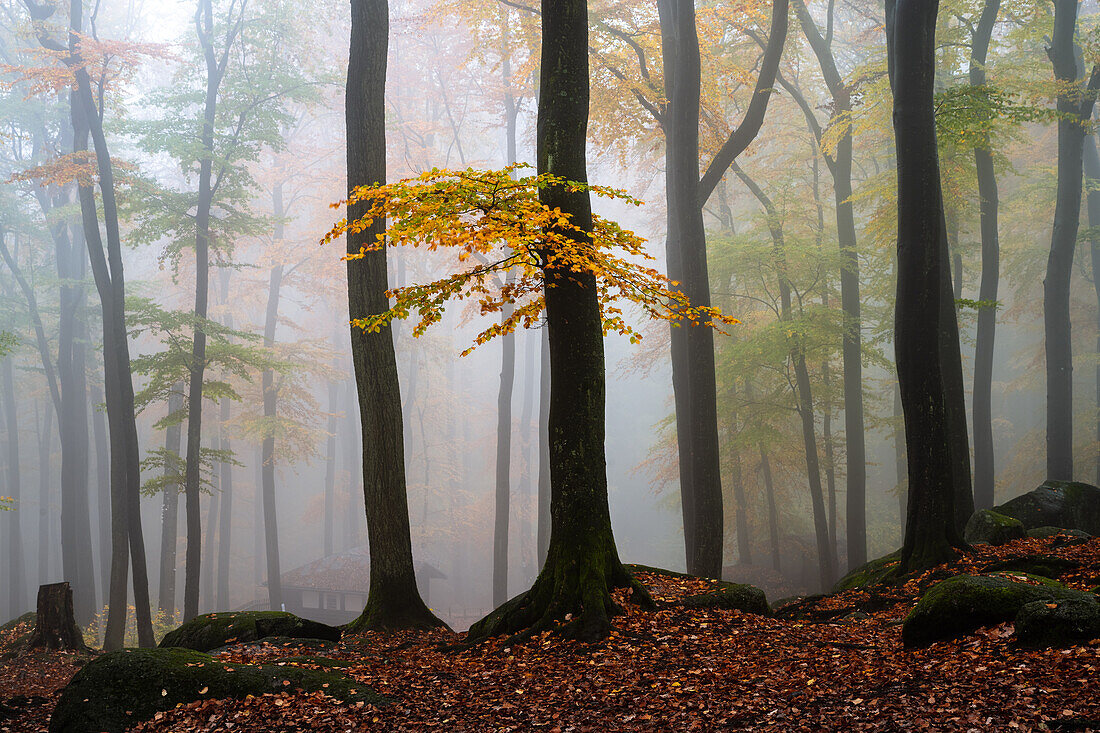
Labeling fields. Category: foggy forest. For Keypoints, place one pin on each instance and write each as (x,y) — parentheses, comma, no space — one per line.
(549,365)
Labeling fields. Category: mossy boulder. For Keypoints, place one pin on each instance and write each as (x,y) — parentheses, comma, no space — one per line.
(870,573)
(964,603)
(1066,504)
(118,690)
(27,618)
(1044,532)
(1058,623)
(987,527)
(738,596)
(215,630)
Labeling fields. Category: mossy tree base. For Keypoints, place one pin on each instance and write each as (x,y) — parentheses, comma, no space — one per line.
(572,595)
(389,611)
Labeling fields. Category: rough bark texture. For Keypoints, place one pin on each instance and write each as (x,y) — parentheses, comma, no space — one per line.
(840,167)
(582,563)
(931,530)
(393,600)
(55,626)
(1075,108)
(991,269)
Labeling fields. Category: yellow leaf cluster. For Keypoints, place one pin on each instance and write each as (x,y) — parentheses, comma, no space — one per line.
(495,224)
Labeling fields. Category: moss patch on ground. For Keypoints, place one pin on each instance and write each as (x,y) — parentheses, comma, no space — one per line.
(119,689)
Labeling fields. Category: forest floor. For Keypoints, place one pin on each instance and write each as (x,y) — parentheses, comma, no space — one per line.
(839,666)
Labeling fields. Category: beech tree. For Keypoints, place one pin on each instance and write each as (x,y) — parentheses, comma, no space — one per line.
(925,323)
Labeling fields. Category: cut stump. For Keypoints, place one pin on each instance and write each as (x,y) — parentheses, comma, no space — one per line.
(55,624)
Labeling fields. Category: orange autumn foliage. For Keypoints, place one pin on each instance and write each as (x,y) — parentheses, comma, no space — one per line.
(496,225)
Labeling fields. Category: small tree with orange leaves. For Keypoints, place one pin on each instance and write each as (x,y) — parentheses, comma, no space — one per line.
(581,270)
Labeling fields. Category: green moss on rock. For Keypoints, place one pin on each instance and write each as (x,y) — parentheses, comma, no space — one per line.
(741,597)
(1044,565)
(215,630)
(120,689)
(1058,623)
(1067,504)
(964,603)
(1044,532)
(991,528)
(30,617)
(870,573)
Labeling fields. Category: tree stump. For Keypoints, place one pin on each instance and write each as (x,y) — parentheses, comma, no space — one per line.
(55,627)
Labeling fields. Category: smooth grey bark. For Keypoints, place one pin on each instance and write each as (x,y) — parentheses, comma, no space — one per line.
(225,527)
(393,598)
(170,509)
(740,500)
(44,432)
(267,447)
(544,449)
(988,205)
(330,469)
(213,508)
(12,521)
(502,504)
(1075,105)
(103,486)
(773,511)
(1092,177)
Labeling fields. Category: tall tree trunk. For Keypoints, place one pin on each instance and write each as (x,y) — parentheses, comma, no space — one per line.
(225,528)
(207,584)
(773,511)
(44,427)
(988,204)
(900,459)
(103,488)
(330,467)
(932,438)
(393,600)
(1075,107)
(693,378)
(1092,174)
(12,521)
(215,70)
(582,563)
(503,464)
(744,541)
(544,449)
(170,509)
(225,478)
(840,166)
(107,271)
(271,395)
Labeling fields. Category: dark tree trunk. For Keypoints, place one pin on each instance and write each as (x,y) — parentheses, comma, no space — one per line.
(693,378)
(1092,174)
(744,541)
(1075,109)
(107,271)
(900,460)
(988,204)
(204,26)
(582,563)
(830,452)
(170,510)
(840,166)
(393,600)
(55,625)
(267,448)
(503,464)
(207,585)
(12,521)
(932,438)
(103,488)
